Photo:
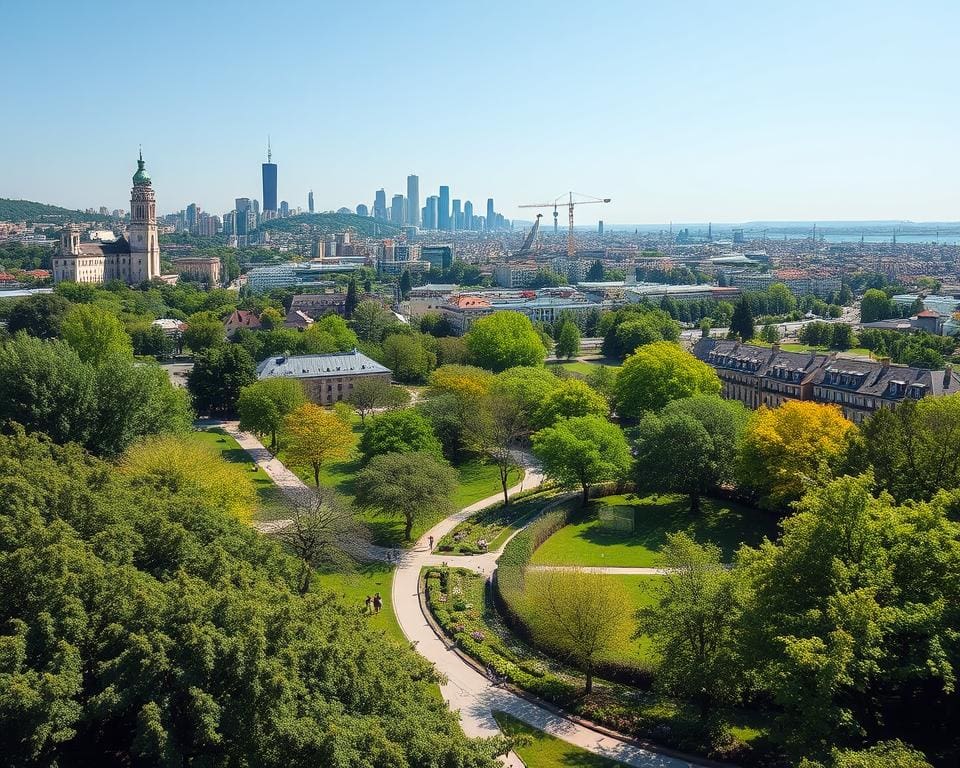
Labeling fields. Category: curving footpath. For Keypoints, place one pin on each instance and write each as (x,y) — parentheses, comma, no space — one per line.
(469,691)
(465,689)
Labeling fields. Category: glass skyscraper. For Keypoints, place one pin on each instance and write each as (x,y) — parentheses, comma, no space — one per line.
(443,211)
(413,201)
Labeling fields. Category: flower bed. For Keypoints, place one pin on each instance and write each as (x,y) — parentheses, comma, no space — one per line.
(485,530)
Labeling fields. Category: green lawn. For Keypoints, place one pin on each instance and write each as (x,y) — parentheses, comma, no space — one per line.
(594,544)
(545,751)
(269,497)
(586,367)
(366,580)
(862,351)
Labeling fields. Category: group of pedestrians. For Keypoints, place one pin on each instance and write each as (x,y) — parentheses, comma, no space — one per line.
(372,605)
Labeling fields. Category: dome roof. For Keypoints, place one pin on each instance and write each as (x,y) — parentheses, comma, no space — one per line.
(141,177)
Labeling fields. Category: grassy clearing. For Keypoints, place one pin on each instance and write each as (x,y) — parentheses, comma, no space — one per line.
(544,751)
(353,588)
(592,543)
(269,497)
(787,347)
(586,367)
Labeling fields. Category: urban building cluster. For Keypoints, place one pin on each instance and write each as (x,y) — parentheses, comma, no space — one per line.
(439,211)
(769,376)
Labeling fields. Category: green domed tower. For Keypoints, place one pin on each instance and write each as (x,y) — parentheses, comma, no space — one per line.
(142,235)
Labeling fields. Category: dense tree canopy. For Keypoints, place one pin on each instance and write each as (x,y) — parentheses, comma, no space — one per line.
(398,432)
(40,315)
(659,373)
(219,375)
(95,333)
(263,405)
(503,340)
(142,625)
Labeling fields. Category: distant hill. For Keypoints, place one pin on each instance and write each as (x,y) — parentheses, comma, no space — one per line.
(41,213)
(331,223)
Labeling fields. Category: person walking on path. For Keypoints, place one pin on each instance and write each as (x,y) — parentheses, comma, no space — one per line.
(377,603)
(367,605)
(431,543)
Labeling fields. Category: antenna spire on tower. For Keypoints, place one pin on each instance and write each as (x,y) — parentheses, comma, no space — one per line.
(269,152)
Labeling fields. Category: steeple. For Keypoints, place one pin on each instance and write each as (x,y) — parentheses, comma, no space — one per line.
(141,178)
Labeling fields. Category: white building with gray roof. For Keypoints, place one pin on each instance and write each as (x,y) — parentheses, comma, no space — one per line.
(326,379)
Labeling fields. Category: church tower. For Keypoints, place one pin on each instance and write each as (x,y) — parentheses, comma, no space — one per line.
(142,235)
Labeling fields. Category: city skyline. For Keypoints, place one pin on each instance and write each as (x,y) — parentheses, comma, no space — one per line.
(685,113)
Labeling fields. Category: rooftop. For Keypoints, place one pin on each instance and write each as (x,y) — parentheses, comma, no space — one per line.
(319,366)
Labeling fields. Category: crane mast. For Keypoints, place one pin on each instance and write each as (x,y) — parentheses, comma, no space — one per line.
(570,203)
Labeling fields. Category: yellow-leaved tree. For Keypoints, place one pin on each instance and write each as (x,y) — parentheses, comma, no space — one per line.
(785,447)
(182,464)
(316,436)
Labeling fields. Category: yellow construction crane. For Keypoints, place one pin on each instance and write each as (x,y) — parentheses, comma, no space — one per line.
(570,203)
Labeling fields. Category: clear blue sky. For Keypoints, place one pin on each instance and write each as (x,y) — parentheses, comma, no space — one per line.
(683,111)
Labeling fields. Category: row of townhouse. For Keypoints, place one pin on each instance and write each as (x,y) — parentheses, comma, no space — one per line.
(769,376)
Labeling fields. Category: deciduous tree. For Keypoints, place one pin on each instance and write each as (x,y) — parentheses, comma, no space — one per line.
(40,315)
(417,486)
(568,343)
(503,340)
(371,393)
(569,398)
(263,405)
(659,373)
(95,333)
(219,374)
(314,437)
(398,432)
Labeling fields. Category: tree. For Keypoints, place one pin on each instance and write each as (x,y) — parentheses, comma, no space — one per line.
(350,303)
(370,393)
(886,754)
(398,432)
(219,374)
(494,427)
(336,328)
(529,387)
(741,324)
(692,624)
(577,614)
(603,378)
(780,301)
(690,446)
(841,336)
(145,625)
(418,486)
(505,339)
(204,330)
(370,321)
(914,449)
(314,437)
(875,305)
(40,315)
(831,625)
(150,340)
(770,334)
(568,345)
(188,467)
(46,387)
(583,451)
(95,333)
(263,405)
(659,373)
(569,398)
(407,357)
(783,449)
(464,381)
(271,318)
(323,532)
(595,273)
(134,400)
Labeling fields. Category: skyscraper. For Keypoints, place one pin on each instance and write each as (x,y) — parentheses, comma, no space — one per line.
(491,216)
(456,219)
(600,227)
(380,205)
(310,201)
(191,219)
(269,183)
(362,210)
(284,209)
(433,204)
(413,201)
(468,215)
(242,207)
(396,210)
(443,209)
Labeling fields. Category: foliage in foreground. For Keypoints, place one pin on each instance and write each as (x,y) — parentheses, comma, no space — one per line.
(152,628)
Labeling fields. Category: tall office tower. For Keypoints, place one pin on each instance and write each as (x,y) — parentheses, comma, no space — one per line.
(600,227)
(362,210)
(431,220)
(230,223)
(468,215)
(443,209)
(243,207)
(269,183)
(413,201)
(491,216)
(456,219)
(284,209)
(380,205)
(396,210)
(423,217)
(310,201)
(191,220)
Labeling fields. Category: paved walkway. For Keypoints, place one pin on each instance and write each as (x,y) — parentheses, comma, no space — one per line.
(611,570)
(465,689)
